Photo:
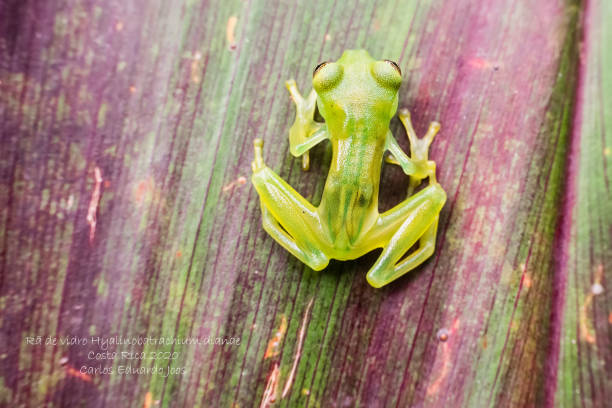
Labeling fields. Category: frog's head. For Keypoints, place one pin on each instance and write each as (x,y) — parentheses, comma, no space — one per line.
(357,86)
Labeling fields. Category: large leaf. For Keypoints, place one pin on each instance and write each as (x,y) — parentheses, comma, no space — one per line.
(582,308)
(126,210)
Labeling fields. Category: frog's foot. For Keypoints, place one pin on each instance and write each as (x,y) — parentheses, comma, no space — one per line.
(291,220)
(258,163)
(419,148)
(302,133)
(415,219)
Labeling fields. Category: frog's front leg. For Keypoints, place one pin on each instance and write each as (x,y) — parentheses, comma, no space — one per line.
(291,220)
(305,132)
(415,219)
(422,167)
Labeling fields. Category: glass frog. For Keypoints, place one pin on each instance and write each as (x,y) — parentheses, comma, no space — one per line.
(357,96)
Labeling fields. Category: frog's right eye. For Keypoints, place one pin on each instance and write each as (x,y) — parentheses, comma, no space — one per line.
(326,75)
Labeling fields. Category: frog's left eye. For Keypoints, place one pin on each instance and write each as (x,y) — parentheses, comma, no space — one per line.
(387,73)
(394,65)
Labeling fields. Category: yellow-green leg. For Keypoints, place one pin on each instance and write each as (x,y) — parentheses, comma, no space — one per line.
(419,148)
(305,132)
(291,220)
(415,219)
(419,164)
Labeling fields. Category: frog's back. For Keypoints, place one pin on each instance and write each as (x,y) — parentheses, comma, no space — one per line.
(349,205)
(357,96)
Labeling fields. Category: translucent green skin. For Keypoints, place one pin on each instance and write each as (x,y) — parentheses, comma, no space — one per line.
(357,97)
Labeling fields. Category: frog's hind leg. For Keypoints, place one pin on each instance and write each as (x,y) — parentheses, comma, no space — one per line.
(415,219)
(291,220)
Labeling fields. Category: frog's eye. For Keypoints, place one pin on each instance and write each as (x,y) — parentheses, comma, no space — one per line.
(387,73)
(394,64)
(318,67)
(326,75)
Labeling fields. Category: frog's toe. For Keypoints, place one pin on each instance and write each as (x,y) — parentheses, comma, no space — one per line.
(404,113)
(291,86)
(375,281)
(258,163)
(318,261)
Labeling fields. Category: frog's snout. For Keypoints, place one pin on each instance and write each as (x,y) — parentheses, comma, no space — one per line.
(356,53)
